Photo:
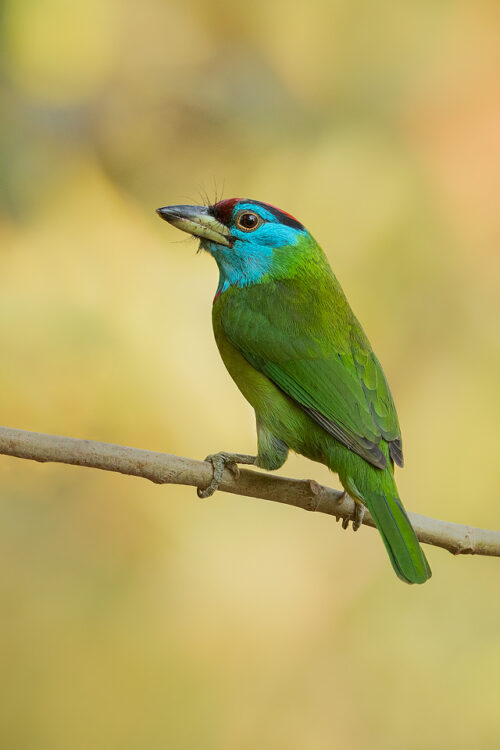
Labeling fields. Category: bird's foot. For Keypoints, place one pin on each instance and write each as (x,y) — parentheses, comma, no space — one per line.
(357,515)
(221,461)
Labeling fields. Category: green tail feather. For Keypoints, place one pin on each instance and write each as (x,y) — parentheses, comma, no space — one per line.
(407,557)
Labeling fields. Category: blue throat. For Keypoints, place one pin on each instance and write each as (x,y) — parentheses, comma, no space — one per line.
(240,270)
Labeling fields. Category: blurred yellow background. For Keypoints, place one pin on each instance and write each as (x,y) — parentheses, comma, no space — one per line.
(138,617)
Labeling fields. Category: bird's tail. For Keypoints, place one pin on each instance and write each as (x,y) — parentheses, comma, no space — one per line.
(406,554)
(386,509)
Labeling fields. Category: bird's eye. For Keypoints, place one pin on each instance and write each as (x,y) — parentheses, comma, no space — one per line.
(248,221)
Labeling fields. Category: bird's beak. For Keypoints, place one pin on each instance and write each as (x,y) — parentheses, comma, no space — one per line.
(196,220)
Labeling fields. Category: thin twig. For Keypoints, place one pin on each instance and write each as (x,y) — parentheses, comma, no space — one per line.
(163,468)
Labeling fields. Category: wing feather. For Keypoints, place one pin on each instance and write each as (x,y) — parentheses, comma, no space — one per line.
(318,355)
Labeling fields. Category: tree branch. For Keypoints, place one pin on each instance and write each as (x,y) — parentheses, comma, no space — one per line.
(163,468)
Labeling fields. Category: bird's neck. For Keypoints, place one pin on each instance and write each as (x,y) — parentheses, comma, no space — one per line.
(240,268)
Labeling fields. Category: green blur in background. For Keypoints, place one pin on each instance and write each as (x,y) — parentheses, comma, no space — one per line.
(138,617)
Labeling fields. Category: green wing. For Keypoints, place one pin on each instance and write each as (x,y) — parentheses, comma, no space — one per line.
(309,343)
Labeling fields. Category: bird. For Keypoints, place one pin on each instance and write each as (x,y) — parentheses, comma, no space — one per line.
(290,341)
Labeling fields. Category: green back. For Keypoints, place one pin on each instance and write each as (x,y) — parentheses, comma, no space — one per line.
(297,328)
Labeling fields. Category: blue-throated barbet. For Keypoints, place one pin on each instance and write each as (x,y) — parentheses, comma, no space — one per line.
(294,348)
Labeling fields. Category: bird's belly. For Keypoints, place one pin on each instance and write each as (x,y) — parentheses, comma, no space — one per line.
(280,415)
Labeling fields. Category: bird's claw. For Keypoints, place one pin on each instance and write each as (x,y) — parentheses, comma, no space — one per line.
(219,461)
(356,517)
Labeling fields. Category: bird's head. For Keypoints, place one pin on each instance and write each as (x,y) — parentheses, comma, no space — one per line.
(247,238)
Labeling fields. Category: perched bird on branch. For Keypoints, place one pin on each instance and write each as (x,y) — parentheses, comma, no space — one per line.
(294,348)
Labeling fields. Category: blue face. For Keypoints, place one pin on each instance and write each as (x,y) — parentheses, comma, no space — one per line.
(256,231)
